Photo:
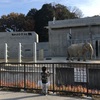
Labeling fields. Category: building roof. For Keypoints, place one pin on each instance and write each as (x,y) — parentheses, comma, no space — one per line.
(88,21)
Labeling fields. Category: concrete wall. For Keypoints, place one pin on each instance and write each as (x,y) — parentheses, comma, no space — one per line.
(83,29)
(42,50)
(13,39)
(57,43)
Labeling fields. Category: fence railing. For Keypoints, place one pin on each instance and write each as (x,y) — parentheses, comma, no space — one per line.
(64,77)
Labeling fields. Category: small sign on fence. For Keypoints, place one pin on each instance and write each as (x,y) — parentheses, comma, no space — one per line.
(80,75)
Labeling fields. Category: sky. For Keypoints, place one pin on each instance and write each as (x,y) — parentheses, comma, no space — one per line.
(89,8)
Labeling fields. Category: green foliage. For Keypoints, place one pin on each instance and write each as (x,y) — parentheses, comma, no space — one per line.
(61,12)
(31,13)
(42,17)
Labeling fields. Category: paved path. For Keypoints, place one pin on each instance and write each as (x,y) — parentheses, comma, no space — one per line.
(30,96)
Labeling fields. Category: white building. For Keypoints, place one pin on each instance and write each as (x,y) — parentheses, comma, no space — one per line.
(13,39)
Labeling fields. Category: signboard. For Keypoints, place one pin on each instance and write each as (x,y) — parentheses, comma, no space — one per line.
(80,75)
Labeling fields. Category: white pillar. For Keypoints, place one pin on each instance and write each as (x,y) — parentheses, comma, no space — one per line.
(6,53)
(19,54)
(37,38)
(70,31)
(34,52)
(54,20)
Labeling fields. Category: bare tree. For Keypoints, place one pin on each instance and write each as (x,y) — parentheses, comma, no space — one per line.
(76,11)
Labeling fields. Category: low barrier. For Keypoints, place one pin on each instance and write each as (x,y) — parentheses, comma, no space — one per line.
(80,78)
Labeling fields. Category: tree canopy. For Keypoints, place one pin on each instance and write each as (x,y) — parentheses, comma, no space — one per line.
(16,22)
(36,20)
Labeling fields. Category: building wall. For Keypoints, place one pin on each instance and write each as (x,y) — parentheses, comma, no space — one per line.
(57,42)
(82,30)
(44,47)
(13,39)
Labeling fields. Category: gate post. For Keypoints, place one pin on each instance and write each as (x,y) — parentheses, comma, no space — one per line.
(0,75)
(53,77)
(25,78)
(34,52)
(87,78)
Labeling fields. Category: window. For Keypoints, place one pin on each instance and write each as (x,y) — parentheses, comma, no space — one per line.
(27,49)
(29,33)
